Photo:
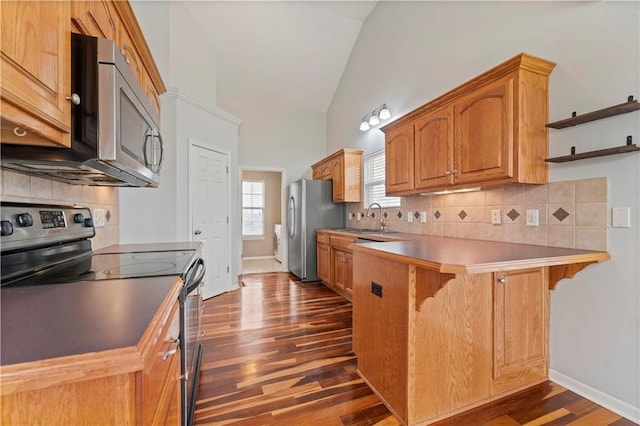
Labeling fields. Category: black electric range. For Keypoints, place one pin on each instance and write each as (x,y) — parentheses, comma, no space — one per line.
(49,245)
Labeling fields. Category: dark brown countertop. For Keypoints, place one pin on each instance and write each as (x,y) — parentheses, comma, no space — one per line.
(130,248)
(465,256)
(57,320)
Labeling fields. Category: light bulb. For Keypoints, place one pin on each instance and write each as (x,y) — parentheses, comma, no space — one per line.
(384,112)
(374,120)
(364,126)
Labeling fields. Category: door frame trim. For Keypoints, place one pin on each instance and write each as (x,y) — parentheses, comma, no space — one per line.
(283,205)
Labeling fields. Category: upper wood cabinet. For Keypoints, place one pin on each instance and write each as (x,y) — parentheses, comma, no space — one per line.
(36,63)
(344,167)
(399,152)
(488,131)
(36,77)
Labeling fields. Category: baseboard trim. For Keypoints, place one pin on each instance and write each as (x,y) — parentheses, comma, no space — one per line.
(259,258)
(621,408)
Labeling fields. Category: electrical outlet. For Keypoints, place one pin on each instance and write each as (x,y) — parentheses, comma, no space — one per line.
(409,217)
(423,217)
(99,218)
(532,217)
(496,219)
(352,215)
(359,216)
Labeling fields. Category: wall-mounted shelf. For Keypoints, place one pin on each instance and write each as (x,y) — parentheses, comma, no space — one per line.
(629,106)
(629,147)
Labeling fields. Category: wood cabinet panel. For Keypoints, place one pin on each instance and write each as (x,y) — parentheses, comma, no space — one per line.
(484,126)
(159,373)
(94,18)
(380,328)
(521,323)
(131,55)
(344,168)
(36,75)
(399,158)
(434,149)
(337,174)
(323,262)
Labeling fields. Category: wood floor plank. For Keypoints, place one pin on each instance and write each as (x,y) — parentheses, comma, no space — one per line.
(278,352)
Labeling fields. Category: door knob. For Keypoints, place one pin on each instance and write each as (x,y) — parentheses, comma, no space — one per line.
(197,232)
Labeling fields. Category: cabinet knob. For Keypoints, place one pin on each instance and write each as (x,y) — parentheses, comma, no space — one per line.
(74,98)
(454,171)
(502,280)
(447,173)
(127,60)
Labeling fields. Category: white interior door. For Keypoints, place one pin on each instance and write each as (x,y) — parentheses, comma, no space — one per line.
(209,209)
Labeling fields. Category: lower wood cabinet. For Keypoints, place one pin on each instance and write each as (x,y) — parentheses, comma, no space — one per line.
(335,262)
(138,385)
(433,345)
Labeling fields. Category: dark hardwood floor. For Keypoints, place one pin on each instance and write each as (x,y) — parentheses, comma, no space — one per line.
(278,352)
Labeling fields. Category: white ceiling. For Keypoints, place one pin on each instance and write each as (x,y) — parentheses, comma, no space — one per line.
(289,53)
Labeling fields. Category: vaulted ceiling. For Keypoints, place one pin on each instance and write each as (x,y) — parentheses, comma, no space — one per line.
(287,53)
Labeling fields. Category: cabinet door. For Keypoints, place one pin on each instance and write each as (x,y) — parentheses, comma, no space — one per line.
(324,263)
(521,324)
(36,65)
(399,162)
(337,168)
(317,173)
(131,55)
(94,18)
(339,269)
(434,149)
(484,134)
(348,273)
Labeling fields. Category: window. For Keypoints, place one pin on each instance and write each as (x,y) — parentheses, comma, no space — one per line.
(252,208)
(374,191)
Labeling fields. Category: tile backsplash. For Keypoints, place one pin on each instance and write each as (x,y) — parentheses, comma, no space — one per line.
(572,214)
(18,187)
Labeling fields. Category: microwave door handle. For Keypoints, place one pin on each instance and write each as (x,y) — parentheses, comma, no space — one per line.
(157,170)
(148,134)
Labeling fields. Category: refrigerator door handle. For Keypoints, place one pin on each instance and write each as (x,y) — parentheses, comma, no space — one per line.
(291,223)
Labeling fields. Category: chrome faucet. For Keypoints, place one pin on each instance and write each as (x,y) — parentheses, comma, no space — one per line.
(382,224)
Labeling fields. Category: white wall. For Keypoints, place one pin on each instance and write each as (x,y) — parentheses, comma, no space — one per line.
(411,52)
(272,136)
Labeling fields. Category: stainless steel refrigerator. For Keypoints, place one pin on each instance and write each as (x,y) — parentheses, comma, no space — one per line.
(311,207)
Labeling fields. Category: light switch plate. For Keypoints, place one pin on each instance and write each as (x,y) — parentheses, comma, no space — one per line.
(358,215)
(532,217)
(423,217)
(409,217)
(621,217)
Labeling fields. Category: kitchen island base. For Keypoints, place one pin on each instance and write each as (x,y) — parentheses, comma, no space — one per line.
(433,344)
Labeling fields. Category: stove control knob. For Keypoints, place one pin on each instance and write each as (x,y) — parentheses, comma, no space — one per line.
(88,222)
(7,228)
(78,218)
(24,219)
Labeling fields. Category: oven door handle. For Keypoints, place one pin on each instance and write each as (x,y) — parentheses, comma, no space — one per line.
(190,283)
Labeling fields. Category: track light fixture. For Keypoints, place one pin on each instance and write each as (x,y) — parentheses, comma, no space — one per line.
(373,118)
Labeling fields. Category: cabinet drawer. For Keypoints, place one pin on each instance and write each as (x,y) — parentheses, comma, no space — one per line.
(342,242)
(322,238)
(155,374)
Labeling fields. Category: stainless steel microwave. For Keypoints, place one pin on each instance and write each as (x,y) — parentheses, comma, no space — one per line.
(115,131)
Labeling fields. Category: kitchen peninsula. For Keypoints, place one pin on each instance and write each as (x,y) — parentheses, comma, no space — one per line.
(442,325)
